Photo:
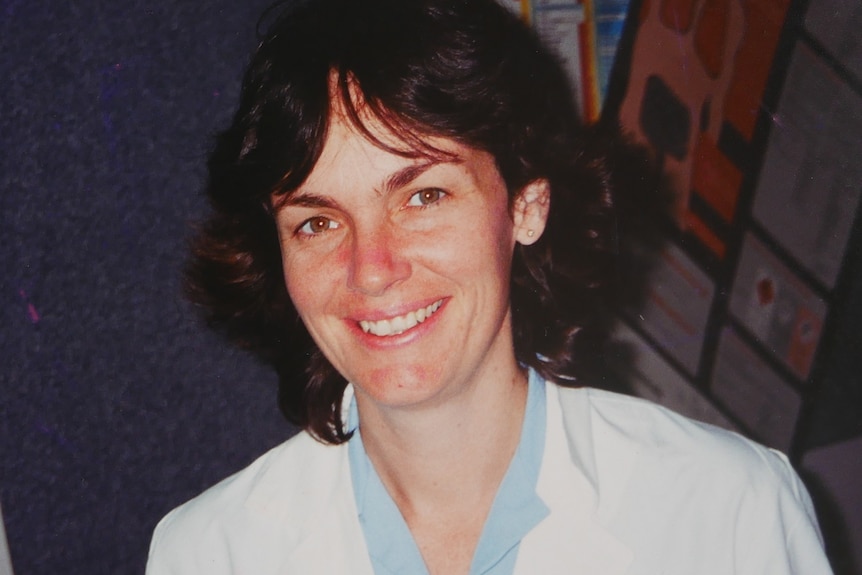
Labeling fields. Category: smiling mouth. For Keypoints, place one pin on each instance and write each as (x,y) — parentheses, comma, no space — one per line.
(399,324)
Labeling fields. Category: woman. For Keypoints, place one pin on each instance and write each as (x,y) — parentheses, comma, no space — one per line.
(405,201)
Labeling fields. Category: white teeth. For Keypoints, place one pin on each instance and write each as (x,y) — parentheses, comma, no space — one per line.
(383,326)
(401,323)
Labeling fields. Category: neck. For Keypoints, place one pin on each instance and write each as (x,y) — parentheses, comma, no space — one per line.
(452,455)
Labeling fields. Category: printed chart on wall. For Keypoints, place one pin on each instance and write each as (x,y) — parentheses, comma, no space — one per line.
(761,399)
(768,185)
(675,309)
(584,34)
(650,376)
(809,186)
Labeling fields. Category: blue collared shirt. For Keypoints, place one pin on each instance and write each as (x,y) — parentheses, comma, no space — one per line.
(515,511)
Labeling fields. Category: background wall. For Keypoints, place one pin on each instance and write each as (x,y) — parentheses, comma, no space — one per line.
(751,318)
(115,405)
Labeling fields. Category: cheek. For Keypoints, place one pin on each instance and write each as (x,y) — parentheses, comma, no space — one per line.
(501,250)
(480,247)
(496,239)
(310,280)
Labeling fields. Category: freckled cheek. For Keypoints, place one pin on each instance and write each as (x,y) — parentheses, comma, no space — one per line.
(308,280)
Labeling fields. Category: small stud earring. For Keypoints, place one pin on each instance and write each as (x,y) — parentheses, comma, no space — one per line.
(530,233)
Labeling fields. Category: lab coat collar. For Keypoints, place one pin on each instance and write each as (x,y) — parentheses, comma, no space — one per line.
(574,484)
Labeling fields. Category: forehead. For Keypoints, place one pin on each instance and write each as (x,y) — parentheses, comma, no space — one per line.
(360,145)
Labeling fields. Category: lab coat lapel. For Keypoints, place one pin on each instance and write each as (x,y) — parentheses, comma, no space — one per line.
(572,538)
(312,512)
(334,542)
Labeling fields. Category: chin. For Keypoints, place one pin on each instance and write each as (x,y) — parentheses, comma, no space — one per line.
(400,385)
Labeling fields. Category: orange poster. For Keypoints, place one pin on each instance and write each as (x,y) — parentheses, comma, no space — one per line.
(698,72)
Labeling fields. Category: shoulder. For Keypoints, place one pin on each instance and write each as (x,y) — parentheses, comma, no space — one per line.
(658,472)
(267,499)
(234,495)
(655,432)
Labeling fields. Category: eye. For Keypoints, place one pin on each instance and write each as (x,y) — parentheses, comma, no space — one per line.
(317,225)
(426,197)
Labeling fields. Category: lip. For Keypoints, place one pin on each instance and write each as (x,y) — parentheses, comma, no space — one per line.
(411,334)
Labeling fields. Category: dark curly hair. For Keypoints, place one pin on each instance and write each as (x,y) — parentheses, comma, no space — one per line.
(467,70)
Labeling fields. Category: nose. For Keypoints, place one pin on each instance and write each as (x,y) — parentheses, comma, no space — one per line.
(377,262)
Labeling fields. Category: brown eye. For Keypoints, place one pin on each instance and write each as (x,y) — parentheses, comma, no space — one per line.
(426,197)
(317,225)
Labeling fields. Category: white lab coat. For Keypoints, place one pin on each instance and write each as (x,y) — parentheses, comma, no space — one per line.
(632,488)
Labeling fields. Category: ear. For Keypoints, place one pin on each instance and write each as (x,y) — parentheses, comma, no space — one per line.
(530,211)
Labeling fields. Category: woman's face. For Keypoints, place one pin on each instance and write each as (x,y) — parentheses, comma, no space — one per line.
(400,267)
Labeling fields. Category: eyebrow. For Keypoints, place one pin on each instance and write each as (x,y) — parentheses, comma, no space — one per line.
(309,201)
(406,175)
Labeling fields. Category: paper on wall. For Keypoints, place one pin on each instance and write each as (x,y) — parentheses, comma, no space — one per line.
(677,305)
(810,182)
(835,24)
(754,393)
(777,307)
(651,377)
(559,24)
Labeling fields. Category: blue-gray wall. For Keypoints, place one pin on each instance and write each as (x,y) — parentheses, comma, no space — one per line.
(115,405)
